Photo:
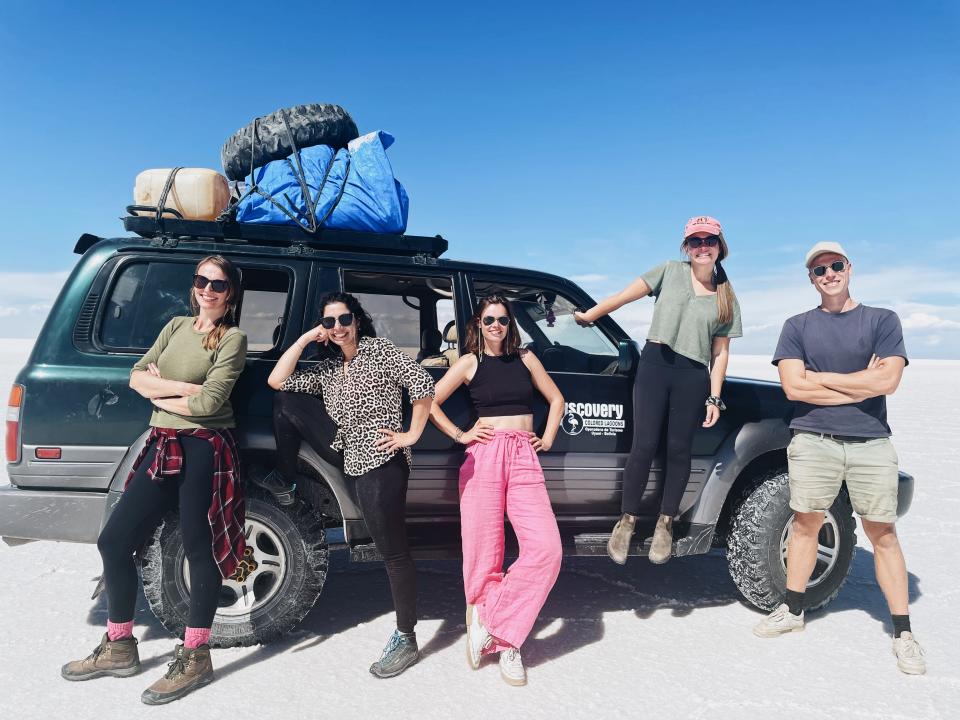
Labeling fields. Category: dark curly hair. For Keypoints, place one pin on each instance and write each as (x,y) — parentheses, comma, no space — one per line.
(511,344)
(360,317)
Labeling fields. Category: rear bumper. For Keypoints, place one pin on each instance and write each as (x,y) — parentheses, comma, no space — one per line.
(904,493)
(51,514)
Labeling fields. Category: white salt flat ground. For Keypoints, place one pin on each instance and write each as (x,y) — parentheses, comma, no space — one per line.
(664,642)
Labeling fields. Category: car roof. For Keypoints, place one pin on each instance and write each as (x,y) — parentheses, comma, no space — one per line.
(191,245)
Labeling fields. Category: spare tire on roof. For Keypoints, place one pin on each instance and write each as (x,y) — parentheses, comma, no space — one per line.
(314,124)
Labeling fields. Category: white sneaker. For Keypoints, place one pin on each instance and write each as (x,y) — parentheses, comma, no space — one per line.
(511,667)
(477,639)
(780,621)
(909,654)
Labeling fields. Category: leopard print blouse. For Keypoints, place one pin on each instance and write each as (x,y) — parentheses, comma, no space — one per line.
(363,396)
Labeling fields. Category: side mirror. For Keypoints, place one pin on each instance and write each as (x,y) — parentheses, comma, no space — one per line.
(628,356)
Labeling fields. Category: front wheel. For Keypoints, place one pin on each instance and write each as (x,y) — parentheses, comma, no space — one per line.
(757,546)
(288,547)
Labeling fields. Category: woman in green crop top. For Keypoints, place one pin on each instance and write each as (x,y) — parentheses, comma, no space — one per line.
(188,464)
(695,315)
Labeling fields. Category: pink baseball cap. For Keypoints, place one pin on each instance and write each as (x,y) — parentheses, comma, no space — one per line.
(702,223)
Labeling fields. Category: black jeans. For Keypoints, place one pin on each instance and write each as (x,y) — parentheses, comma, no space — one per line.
(669,388)
(138,513)
(381,492)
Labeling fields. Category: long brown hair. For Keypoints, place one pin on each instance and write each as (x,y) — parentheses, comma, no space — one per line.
(474,342)
(229,319)
(725,295)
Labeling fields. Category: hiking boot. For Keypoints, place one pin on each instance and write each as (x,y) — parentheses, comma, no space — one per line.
(662,546)
(118,658)
(909,654)
(400,653)
(283,491)
(511,667)
(780,621)
(191,669)
(618,546)
(478,639)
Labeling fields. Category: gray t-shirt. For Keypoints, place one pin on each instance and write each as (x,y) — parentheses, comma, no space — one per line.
(842,343)
(684,321)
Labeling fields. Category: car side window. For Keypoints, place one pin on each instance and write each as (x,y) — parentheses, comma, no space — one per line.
(546,324)
(145,295)
(414,312)
(263,307)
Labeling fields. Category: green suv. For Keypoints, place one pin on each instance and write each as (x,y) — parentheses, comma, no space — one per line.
(74,426)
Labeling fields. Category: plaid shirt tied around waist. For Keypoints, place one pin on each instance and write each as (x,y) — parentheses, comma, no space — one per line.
(227,512)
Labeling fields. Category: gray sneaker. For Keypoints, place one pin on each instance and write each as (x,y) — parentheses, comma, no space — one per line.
(909,654)
(400,653)
(118,658)
(276,484)
(618,546)
(780,621)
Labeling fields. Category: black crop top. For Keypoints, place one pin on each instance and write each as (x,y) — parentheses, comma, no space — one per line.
(502,386)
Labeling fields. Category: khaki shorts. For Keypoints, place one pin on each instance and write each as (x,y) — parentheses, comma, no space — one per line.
(820,465)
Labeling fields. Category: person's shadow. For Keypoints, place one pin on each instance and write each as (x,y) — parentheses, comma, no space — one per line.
(572,617)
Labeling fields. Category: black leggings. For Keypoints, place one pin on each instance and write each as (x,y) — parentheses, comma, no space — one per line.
(382,497)
(138,513)
(668,387)
(381,492)
(296,417)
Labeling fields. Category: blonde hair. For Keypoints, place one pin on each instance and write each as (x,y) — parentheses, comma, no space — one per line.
(725,295)
(229,319)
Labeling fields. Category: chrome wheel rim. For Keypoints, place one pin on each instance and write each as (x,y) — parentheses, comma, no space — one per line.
(260,586)
(828,549)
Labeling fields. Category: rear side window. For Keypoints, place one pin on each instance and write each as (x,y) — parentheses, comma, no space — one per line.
(145,295)
(143,299)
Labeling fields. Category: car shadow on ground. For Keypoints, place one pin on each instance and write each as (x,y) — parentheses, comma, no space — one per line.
(357,593)
(572,617)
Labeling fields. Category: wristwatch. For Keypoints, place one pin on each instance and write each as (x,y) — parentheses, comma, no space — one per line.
(716,402)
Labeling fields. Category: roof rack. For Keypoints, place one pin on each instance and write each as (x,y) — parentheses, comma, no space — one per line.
(286,235)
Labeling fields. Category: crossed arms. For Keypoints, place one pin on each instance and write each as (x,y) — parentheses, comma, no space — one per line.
(880,377)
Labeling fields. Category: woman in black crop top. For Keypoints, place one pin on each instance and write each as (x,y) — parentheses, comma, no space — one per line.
(501,473)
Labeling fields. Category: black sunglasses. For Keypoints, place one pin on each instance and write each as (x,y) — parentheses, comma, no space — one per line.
(345,320)
(218,286)
(490,320)
(710,241)
(837,266)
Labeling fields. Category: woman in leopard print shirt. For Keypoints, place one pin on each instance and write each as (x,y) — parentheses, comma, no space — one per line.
(362,386)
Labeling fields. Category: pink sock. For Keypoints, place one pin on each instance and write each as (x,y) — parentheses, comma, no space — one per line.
(119,631)
(195,637)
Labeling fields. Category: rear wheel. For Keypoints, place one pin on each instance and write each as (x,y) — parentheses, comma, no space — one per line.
(757,546)
(288,548)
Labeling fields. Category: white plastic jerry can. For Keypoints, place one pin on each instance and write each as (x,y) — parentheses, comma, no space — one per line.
(196,193)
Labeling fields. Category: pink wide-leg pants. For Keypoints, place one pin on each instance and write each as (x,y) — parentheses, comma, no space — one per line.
(505,475)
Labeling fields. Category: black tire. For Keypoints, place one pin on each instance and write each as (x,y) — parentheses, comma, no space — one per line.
(281,598)
(314,124)
(754,554)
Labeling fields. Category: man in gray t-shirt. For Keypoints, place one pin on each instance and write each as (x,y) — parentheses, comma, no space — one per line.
(838,362)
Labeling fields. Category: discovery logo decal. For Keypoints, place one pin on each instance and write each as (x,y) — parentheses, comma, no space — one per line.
(598,419)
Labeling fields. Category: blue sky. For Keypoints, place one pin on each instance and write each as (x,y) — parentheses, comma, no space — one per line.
(574,138)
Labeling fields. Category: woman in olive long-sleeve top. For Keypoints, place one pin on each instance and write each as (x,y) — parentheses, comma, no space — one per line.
(189,464)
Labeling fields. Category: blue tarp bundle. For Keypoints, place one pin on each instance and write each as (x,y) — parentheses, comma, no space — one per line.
(352,189)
